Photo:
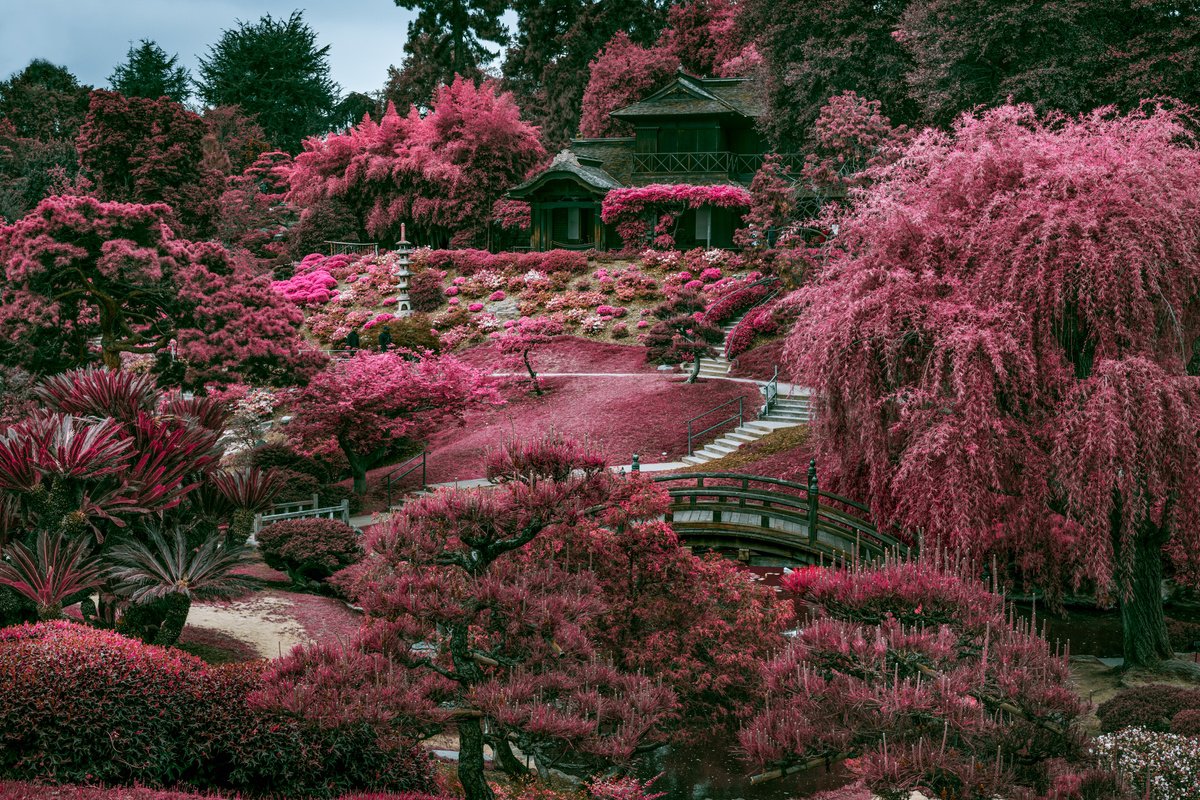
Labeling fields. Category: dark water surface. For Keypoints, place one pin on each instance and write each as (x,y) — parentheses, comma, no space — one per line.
(710,769)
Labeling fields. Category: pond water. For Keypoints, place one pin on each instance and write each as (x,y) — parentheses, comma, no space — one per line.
(709,769)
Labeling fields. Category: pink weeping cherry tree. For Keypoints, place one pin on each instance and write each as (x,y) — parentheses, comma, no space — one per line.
(1004,347)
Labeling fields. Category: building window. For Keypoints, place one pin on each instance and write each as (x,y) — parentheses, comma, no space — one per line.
(704,225)
(572,224)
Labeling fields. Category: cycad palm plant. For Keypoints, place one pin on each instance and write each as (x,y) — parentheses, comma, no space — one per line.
(165,573)
(52,572)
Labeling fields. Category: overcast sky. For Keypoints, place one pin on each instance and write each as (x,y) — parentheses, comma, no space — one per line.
(90,37)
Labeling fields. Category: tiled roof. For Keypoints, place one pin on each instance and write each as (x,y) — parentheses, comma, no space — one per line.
(689,95)
(567,163)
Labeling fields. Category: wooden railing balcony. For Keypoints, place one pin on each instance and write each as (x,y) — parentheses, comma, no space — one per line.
(734,165)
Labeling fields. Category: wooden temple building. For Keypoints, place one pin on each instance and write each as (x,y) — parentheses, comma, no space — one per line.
(693,130)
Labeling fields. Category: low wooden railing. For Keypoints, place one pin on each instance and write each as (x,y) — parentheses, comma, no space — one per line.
(734,165)
(786,516)
(402,471)
(340,511)
(353,248)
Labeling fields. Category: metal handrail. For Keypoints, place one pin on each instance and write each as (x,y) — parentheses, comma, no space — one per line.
(770,393)
(739,416)
(766,281)
(392,478)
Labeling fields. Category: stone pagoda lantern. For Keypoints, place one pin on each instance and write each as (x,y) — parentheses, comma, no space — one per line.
(403,252)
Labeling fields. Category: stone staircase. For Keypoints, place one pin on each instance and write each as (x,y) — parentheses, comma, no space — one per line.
(788,412)
(718,367)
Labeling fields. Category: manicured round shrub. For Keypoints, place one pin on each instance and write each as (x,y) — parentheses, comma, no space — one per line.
(296,486)
(309,549)
(84,705)
(80,705)
(1186,722)
(1151,707)
(425,290)
(281,456)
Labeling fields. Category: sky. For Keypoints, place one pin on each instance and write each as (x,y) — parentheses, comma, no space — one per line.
(90,37)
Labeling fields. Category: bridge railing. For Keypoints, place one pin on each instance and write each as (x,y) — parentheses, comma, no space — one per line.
(830,523)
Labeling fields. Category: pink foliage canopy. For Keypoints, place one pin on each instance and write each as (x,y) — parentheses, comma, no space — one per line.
(626,208)
(622,73)
(77,267)
(1004,342)
(440,173)
(368,404)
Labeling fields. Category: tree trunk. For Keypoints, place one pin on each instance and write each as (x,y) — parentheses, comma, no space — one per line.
(169,631)
(1143,627)
(470,760)
(360,479)
(695,370)
(532,375)
(506,760)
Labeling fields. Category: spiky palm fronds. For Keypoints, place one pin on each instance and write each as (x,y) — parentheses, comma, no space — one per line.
(250,489)
(99,392)
(55,570)
(165,565)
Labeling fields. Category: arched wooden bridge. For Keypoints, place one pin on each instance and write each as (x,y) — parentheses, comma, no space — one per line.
(770,520)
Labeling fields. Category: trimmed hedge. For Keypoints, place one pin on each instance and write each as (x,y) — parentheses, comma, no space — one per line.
(309,549)
(80,705)
(1151,707)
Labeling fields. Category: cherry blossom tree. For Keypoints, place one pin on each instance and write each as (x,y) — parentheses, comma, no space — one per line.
(524,337)
(78,268)
(622,73)
(1004,347)
(374,404)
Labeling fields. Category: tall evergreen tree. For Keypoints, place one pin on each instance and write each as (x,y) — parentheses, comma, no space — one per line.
(149,72)
(275,71)
(448,38)
(815,49)
(546,65)
(44,101)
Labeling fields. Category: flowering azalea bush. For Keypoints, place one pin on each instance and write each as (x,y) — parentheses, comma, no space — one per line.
(768,320)
(626,208)
(1161,766)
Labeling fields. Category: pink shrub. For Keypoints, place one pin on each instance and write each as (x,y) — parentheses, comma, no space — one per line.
(475,308)
(497,296)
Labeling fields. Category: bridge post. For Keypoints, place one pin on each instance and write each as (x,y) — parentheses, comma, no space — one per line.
(636,466)
(813,497)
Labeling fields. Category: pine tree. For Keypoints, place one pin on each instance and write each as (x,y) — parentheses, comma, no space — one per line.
(149,72)
(448,38)
(275,71)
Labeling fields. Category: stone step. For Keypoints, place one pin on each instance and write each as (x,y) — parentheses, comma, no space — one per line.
(740,436)
(788,416)
(694,460)
(725,444)
(765,426)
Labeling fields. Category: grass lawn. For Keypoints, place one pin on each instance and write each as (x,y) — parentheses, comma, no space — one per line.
(569,354)
(645,414)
